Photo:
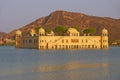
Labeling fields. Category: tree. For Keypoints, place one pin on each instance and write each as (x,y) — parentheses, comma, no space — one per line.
(47,30)
(60,30)
(90,31)
(37,28)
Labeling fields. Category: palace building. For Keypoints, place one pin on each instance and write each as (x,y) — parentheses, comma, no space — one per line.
(73,40)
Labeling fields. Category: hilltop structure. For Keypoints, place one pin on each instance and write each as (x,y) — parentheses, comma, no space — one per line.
(73,40)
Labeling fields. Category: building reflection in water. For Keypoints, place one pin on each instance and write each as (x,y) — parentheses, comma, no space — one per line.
(74,71)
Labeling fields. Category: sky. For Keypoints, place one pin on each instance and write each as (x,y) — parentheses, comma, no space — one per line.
(18,13)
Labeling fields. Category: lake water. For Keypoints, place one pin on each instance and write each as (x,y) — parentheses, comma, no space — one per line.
(33,64)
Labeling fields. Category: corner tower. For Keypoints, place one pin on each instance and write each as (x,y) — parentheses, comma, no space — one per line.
(18,38)
(41,32)
(104,38)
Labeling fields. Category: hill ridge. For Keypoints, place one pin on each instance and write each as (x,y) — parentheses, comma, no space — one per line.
(70,19)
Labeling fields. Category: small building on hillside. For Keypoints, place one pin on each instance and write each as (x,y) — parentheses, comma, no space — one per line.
(73,40)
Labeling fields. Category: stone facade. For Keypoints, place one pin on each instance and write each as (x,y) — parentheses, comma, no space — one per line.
(72,40)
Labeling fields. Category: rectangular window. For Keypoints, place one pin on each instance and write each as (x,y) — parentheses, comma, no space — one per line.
(62,41)
(77,40)
(26,41)
(30,41)
(23,41)
(74,40)
(66,41)
(82,41)
(36,41)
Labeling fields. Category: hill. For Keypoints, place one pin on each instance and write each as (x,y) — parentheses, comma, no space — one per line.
(80,20)
(2,34)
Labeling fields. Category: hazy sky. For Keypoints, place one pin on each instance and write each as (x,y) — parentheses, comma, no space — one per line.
(17,13)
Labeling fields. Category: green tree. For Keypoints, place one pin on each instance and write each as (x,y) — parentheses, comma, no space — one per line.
(47,30)
(60,30)
(90,31)
(37,28)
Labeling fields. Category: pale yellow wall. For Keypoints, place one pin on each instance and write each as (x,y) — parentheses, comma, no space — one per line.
(49,42)
(105,42)
(69,41)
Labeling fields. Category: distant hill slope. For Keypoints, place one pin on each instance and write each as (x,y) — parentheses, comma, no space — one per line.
(75,19)
(2,34)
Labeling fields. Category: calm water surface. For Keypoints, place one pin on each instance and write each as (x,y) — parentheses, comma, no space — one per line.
(32,64)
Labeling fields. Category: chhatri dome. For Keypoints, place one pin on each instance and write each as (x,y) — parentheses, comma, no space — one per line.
(104,31)
(72,30)
(33,30)
(41,30)
(18,32)
(52,32)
